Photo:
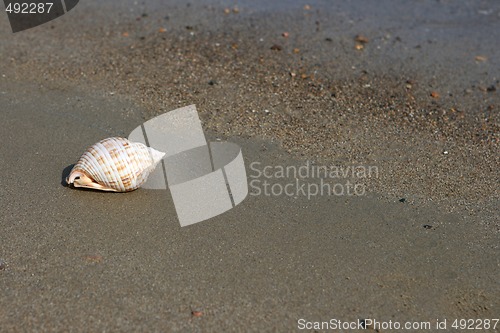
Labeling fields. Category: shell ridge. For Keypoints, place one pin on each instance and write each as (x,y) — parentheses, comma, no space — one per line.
(99,172)
(130,177)
(143,162)
(87,165)
(109,150)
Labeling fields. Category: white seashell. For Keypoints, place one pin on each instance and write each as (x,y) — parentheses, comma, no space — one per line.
(114,164)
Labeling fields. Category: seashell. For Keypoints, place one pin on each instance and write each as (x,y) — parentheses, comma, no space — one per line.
(114,164)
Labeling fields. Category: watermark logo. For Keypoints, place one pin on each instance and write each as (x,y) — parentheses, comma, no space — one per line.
(29,14)
(309,180)
(205,179)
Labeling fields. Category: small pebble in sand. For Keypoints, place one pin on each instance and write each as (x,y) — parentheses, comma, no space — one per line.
(276,47)
(445,152)
(359,47)
(361,39)
(93,258)
(125,34)
(402,200)
(480,58)
(3,265)
(434,94)
(285,34)
(427,226)
(227,11)
(296,50)
(162,30)
(196,313)
(307,7)
(236,10)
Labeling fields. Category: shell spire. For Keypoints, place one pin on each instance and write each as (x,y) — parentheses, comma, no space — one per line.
(114,164)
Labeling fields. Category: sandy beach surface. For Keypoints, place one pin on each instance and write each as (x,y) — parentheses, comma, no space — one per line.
(409,89)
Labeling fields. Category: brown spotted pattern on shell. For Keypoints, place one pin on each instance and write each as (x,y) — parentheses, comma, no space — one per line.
(114,164)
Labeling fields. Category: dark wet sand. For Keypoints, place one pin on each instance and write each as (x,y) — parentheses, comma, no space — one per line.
(89,261)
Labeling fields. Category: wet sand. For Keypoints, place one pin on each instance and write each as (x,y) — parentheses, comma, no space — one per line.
(90,261)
